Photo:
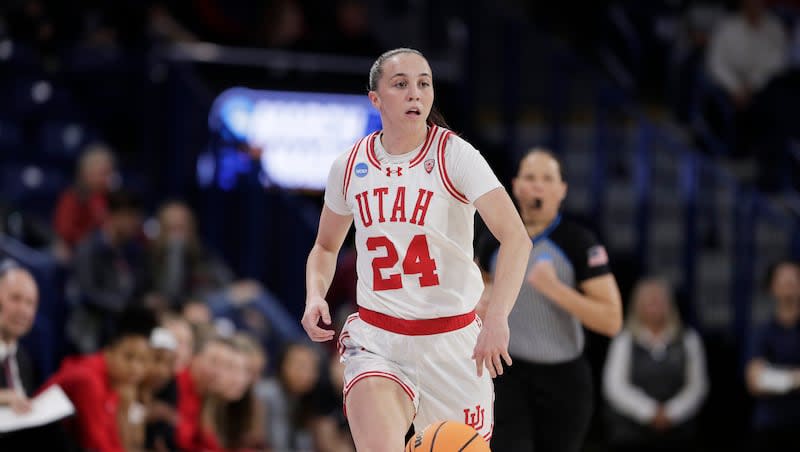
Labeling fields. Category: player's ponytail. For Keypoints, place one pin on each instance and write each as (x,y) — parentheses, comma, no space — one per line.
(435,117)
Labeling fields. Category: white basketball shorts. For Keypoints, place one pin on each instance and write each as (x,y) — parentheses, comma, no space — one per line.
(435,370)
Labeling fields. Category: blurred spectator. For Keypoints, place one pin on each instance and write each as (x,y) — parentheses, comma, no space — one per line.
(19,297)
(103,385)
(197,313)
(773,369)
(655,377)
(329,426)
(239,418)
(181,329)
(288,399)
(204,378)
(82,208)
(689,54)
(776,111)
(256,356)
(109,270)
(746,51)
(161,413)
(180,266)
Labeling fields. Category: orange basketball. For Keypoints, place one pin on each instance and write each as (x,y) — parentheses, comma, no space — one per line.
(447,436)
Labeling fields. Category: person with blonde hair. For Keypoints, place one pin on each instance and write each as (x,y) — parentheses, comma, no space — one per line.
(655,377)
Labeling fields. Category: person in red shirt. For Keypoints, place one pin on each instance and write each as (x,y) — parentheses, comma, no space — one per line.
(204,376)
(101,385)
(82,207)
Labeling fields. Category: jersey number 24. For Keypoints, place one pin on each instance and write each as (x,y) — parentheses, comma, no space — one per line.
(417,261)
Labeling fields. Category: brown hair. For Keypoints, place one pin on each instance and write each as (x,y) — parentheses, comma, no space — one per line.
(376,72)
(547,152)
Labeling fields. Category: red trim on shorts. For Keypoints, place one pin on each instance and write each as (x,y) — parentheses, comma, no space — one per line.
(375,373)
(487,437)
(340,345)
(423,327)
(427,145)
(448,184)
(348,169)
(351,317)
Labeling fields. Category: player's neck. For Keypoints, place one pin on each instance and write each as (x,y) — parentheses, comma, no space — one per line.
(400,141)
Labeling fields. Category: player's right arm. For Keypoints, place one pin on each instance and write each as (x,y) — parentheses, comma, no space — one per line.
(334,222)
(319,272)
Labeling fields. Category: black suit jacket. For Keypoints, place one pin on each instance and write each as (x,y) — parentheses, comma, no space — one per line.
(26,372)
(50,437)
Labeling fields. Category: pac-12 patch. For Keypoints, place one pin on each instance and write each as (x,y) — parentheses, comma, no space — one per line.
(361,169)
(429,165)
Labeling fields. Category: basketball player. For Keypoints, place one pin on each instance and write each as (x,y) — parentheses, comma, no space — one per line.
(544,403)
(415,350)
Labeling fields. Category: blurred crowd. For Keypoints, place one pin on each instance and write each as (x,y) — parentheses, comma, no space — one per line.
(727,70)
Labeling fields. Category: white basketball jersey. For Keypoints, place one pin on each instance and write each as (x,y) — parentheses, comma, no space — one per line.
(414,223)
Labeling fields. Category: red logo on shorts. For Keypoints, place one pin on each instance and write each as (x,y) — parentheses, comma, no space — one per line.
(474,419)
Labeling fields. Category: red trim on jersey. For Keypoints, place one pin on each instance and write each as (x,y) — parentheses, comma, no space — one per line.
(348,169)
(422,327)
(427,145)
(371,151)
(375,373)
(448,184)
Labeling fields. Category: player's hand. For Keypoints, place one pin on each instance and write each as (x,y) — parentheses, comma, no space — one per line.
(542,275)
(316,309)
(660,421)
(19,404)
(492,346)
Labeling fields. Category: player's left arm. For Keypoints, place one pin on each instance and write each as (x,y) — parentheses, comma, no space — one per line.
(472,176)
(598,307)
(498,212)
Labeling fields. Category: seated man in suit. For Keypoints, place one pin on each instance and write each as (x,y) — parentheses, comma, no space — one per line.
(19,297)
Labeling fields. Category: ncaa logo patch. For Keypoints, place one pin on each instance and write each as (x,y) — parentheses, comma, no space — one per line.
(429,165)
(361,169)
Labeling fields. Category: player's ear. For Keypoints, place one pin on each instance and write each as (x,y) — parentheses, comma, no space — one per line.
(374,99)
